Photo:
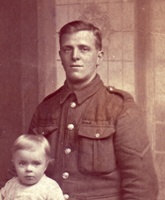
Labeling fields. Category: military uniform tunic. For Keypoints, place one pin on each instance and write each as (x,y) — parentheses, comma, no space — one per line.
(99,143)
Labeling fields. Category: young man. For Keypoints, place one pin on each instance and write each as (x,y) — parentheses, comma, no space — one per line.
(97,133)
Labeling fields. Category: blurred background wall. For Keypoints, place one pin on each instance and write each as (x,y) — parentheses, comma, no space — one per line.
(30,67)
(27,66)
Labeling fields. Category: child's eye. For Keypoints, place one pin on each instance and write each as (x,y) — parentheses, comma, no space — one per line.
(36,163)
(22,163)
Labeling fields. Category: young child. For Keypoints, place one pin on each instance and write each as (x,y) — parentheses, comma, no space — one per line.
(31,155)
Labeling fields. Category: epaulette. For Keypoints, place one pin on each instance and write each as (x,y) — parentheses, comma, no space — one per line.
(123,94)
(52,94)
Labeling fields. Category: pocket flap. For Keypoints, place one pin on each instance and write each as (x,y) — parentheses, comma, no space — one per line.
(96,132)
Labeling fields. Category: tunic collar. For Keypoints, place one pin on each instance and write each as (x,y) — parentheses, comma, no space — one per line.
(84,92)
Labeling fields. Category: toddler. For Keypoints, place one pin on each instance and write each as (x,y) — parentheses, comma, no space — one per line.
(31,155)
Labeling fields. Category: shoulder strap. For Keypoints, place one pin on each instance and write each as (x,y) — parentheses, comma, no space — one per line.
(123,94)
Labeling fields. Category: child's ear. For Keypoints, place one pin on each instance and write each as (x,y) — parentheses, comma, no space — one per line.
(49,162)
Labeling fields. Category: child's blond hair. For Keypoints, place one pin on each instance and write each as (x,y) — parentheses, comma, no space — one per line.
(32,142)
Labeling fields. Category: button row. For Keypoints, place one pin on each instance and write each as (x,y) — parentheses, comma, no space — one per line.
(65,175)
(70,127)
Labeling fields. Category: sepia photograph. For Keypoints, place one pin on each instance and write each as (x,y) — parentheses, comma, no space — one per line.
(82,99)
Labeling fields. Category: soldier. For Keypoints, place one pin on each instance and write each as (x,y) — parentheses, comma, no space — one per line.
(97,133)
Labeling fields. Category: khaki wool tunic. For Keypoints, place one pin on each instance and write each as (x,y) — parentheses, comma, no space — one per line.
(99,143)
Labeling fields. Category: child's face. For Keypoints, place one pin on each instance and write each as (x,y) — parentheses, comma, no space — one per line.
(30,165)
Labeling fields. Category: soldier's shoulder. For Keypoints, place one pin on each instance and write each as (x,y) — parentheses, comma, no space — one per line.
(52,95)
(121,93)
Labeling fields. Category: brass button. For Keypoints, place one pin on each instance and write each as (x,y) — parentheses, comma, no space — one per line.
(68,151)
(66,196)
(97,135)
(73,105)
(65,175)
(111,88)
(70,127)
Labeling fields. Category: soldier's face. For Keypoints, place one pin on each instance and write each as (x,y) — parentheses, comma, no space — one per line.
(79,56)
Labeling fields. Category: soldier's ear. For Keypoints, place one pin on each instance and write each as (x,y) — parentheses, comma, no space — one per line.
(59,52)
(60,56)
(100,57)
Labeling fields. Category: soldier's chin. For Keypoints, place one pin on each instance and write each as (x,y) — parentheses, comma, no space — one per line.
(75,80)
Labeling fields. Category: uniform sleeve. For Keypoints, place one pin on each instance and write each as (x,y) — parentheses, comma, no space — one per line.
(134,157)
(10,174)
(34,123)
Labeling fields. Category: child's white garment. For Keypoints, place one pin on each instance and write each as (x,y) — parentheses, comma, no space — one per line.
(45,189)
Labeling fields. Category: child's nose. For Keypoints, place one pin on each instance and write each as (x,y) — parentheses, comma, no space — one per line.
(29,168)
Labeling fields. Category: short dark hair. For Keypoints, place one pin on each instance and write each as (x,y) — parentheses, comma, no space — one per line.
(79,25)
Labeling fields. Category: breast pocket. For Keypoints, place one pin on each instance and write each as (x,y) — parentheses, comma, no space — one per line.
(96,151)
